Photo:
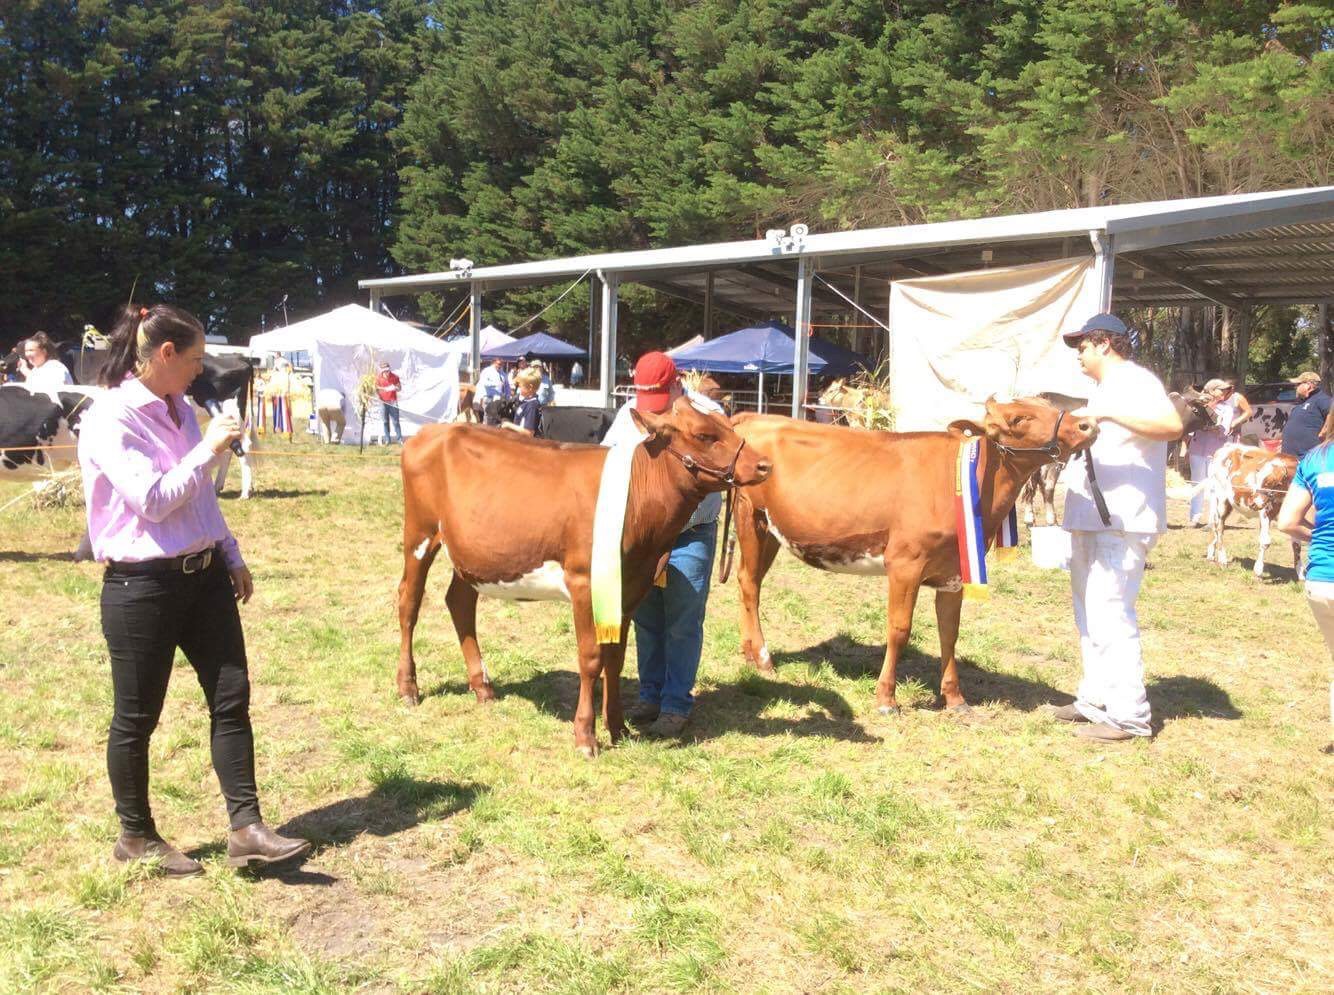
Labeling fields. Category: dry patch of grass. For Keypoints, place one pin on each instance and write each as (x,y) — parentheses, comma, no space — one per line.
(797,841)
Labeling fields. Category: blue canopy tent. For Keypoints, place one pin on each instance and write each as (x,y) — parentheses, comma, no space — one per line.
(766,348)
(539,345)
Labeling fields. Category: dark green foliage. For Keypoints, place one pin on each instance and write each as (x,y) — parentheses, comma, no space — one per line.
(227,152)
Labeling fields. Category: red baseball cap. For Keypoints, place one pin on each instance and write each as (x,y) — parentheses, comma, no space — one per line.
(655,373)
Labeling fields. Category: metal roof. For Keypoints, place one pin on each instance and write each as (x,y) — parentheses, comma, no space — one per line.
(1243,249)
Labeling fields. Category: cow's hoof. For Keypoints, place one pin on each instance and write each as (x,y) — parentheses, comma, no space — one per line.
(411,700)
(484,694)
(588,752)
(890,710)
(962,708)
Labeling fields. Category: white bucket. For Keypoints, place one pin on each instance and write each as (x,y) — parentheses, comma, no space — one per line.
(1051,547)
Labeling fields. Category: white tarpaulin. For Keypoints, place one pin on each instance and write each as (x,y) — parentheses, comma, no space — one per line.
(351,341)
(960,338)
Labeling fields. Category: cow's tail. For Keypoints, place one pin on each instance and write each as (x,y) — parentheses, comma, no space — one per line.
(729,540)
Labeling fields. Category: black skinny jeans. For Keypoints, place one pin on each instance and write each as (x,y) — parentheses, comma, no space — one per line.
(145,618)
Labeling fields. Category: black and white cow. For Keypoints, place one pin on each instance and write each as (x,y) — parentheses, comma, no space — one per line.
(227,381)
(39,430)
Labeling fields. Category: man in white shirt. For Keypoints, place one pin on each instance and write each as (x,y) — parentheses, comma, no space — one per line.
(669,622)
(1135,422)
(492,385)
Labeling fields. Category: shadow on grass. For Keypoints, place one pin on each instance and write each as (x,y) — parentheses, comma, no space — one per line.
(269,494)
(729,708)
(397,803)
(1274,574)
(22,556)
(1189,697)
(850,659)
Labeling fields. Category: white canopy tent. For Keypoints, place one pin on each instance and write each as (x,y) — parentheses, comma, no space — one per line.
(348,342)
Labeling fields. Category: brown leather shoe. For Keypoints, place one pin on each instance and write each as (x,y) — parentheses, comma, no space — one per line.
(156,850)
(668,725)
(1066,713)
(258,844)
(1103,732)
(642,713)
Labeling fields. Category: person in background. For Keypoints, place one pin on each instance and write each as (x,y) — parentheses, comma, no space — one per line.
(1301,432)
(1230,411)
(669,623)
(546,393)
(492,385)
(174,575)
(387,386)
(1136,420)
(527,416)
(1313,489)
(39,366)
(576,374)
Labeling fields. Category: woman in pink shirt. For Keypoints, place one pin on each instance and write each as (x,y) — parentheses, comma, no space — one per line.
(173,577)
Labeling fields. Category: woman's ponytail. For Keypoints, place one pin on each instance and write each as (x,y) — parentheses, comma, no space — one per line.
(139,332)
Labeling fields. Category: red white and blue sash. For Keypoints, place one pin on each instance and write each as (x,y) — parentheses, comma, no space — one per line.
(282,415)
(969,523)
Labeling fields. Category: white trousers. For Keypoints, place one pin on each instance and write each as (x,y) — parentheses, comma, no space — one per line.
(1320,596)
(1199,470)
(1106,569)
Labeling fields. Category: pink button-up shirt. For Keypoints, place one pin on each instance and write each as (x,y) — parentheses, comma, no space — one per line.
(146,482)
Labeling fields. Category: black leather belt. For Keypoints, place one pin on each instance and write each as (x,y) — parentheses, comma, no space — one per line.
(190,563)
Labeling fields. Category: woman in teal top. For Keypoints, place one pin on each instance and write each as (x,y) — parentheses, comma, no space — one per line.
(1313,487)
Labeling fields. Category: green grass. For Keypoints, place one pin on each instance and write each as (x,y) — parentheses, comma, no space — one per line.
(796,841)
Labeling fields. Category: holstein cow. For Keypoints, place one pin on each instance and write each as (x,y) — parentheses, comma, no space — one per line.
(531,539)
(878,503)
(227,381)
(39,429)
(1254,481)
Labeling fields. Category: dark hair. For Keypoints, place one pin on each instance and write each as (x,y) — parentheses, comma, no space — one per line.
(139,333)
(43,341)
(1118,342)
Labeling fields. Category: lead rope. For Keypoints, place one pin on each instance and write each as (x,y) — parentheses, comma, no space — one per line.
(729,541)
(1097,491)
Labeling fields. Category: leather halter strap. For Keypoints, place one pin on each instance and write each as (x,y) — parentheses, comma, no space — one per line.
(696,466)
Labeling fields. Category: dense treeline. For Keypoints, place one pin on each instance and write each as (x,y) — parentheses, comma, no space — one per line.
(230,152)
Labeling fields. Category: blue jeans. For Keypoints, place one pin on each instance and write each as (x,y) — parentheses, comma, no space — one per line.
(390,413)
(669,623)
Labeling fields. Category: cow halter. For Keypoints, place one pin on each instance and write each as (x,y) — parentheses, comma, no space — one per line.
(1051,448)
(727,476)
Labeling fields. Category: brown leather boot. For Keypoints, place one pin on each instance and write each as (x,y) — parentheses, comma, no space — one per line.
(1066,713)
(155,849)
(259,844)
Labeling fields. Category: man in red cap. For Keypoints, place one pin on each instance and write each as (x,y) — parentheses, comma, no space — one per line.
(669,623)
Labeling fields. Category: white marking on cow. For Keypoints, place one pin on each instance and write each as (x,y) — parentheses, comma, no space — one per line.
(486,674)
(545,583)
(420,551)
(860,564)
(765,658)
(952,586)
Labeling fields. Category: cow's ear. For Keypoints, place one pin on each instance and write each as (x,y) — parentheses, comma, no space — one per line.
(966,426)
(649,424)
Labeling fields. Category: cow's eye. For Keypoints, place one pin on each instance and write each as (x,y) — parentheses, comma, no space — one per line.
(705,438)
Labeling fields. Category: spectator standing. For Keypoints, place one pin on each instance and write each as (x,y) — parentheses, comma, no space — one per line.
(1301,432)
(1230,411)
(492,385)
(576,374)
(39,366)
(1135,422)
(669,623)
(527,417)
(1313,488)
(174,575)
(546,392)
(387,386)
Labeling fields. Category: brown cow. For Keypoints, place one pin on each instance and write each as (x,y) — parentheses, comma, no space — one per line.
(514,516)
(853,501)
(1254,481)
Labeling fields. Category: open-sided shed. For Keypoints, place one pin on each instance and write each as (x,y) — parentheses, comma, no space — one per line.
(1236,251)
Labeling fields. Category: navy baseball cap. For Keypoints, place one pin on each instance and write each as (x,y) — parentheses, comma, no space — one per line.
(1098,323)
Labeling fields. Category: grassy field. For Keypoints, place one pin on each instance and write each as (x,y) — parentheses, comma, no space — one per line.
(795,842)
